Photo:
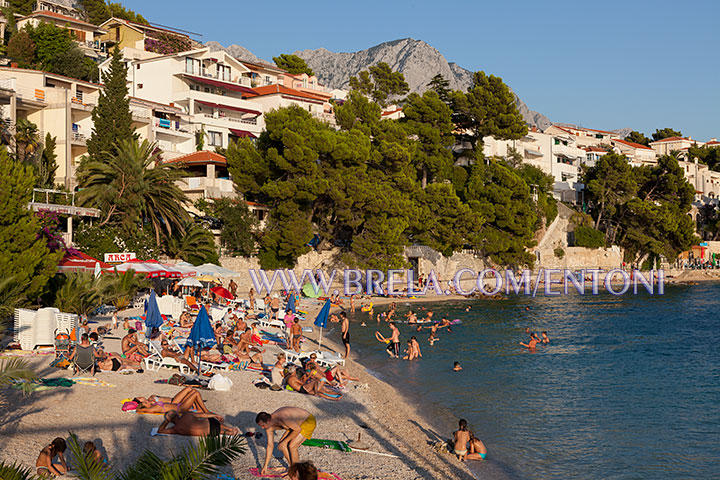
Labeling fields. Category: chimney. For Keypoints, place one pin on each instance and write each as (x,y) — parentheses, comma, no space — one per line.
(713,139)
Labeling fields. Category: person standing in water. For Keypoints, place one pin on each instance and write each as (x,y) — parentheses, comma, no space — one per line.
(345,328)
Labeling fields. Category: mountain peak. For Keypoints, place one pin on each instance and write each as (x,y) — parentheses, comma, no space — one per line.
(417,60)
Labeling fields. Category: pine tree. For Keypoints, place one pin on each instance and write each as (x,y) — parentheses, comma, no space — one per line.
(96,11)
(24,256)
(111,117)
(441,86)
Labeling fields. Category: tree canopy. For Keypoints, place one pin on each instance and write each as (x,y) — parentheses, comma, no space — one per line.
(293,64)
(637,137)
(380,83)
(661,134)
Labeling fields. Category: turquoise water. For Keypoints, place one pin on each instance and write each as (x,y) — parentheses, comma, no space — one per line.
(629,387)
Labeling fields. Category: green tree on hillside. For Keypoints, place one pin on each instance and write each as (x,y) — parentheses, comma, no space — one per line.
(441,86)
(292,64)
(21,48)
(96,11)
(610,184)
(195,245)
(23,7)
(112,120)
(661,134)
(429,119)
(488,108)
(117,10)
(637,137)
(47,164)
(239,226)
(24,255)
(27,141)
(709,155)
(380,83)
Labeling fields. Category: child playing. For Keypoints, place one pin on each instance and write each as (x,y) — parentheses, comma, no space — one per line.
(44,463)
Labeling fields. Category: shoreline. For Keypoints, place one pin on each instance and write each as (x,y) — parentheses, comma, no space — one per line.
(385,419)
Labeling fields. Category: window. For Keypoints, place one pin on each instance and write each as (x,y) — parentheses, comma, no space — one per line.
(557,141)
(140,85)
(188,65)
(215,139)
(138,66)
(267,80)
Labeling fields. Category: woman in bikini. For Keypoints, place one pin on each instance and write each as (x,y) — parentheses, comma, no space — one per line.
(182,402)
(461,438)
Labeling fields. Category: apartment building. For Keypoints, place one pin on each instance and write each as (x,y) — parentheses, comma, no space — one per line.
(86,35)
(584,137)
(211,89)
(593,154)
(705,181)
(638,155)
(167,125)
(261,75)
(667,146)
(61,106)
(150,38)
(272,97)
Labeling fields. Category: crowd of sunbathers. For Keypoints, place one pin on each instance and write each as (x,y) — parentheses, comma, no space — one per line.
(309,378)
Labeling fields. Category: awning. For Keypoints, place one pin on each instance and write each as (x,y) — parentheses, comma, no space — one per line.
(228,107)
(536,153)
(219,83)
(80,262)
(242,133)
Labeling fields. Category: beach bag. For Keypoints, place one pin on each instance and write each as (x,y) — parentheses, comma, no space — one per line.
(220,383)
(129,406)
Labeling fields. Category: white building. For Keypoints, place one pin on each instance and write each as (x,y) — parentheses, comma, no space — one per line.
(272,97)
(584,137)
(637,154)
(666,146)
(86,35)
(211,89)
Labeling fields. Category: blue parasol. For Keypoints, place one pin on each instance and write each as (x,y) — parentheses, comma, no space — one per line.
(291,303)
(202,334)
(322,319)
(153,318)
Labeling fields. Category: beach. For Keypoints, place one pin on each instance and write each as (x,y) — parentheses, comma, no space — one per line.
(383,418)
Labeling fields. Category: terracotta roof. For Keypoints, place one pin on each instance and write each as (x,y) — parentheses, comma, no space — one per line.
(595,149)
(76,80)
(595,130)
(390,112)
(631,144)
(564,129)
(672,139)
(712,143)
(280,89)
(59,16)
(203,157)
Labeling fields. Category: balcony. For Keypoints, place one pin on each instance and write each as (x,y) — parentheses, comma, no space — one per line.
(84,101)
(325,117)
(140,114)
(170,127)
(209,187)
(238,80)
(220,118)
(78,138)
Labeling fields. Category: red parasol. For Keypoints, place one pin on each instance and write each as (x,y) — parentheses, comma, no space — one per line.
(223,292)
(80,262)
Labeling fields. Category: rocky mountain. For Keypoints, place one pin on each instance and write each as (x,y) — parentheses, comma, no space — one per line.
(237,51)
(417,61)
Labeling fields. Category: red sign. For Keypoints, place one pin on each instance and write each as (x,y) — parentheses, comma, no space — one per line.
(119,257)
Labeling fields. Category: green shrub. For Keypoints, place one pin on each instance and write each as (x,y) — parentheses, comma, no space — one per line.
(589,237)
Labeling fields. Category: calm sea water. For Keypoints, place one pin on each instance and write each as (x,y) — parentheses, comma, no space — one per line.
(629,387)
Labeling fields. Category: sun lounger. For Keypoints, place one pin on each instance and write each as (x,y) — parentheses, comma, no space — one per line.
(328,359)
(191,303)
(265,322)
(155,361)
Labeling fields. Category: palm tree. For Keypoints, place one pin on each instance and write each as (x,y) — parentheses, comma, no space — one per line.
(196,246)
(11,370)
(27,140)
(13,471)
(133,187)
(196,462)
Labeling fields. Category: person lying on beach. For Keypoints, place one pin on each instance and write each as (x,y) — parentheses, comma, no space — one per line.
(132,348)
(185,320)
(166,350)
(44,463)
(461,438)
(302,471)
(188,398)
(302,382)
(113,362)
(299,425)
(339,375)
(205,355)
(195,424)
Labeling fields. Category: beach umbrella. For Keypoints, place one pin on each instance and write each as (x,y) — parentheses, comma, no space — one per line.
(223,292)
(322,319)
(310,291)
(186,269)
(201,334)
(153,318)
(215,270)
(97,271)
(190,282)
(291,303)
(81,262)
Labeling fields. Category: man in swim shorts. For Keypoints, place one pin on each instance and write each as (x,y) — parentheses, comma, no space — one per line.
(394,346)
(345,328)
(299,425)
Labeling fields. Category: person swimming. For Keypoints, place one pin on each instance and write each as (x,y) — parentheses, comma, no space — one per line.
(456,367)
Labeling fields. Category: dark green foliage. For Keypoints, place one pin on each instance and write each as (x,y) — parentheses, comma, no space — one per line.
(488,109)
(637,137)
(239,226)
(559,252)
(441,86)
(195,244)
(541,186)
(96,240)
(51,44)
(429,120)
(23,7)
(661,134)
(21,49)
(112,121)
(589,237)
(47,164)
(502,197)
(132,193)
(293,64)
(710,156)
(24,255)
(643,209)
(117,10)
(380,83)
(27,141)
(96,11)
(166,43)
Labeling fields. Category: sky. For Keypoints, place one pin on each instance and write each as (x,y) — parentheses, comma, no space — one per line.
(643,64)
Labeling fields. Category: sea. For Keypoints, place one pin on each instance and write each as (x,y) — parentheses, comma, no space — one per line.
(627,388)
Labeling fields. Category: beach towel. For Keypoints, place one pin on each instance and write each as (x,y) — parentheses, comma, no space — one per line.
(93,382)
(154,433)
(255,472)
(331,444)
